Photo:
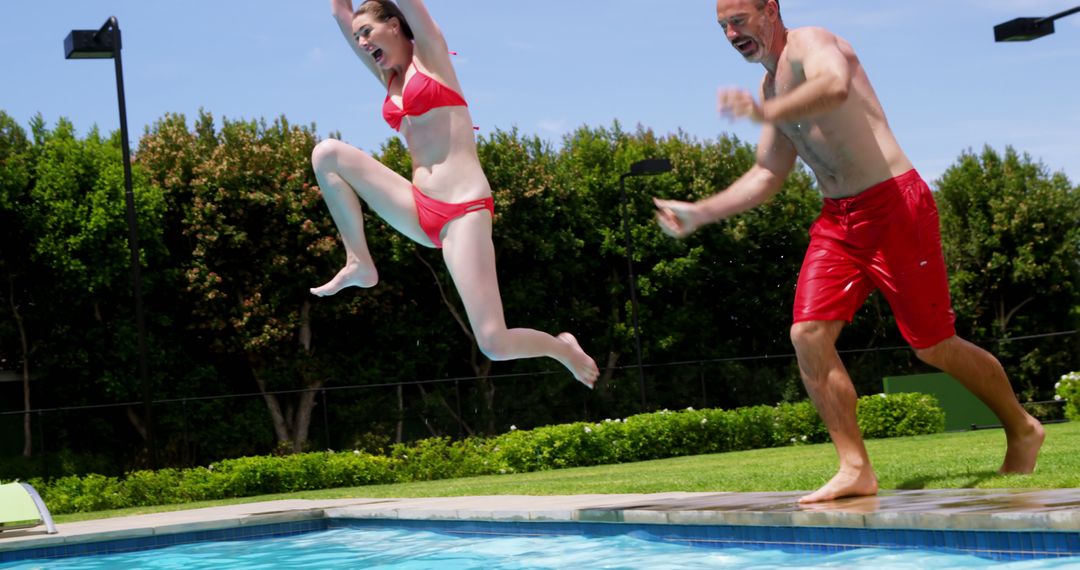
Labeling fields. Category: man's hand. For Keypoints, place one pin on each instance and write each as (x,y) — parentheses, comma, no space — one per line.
(677,219)
(737,104)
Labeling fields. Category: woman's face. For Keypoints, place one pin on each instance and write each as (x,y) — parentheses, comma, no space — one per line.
(383,40)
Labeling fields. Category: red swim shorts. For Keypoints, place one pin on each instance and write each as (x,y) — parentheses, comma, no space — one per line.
(887,237)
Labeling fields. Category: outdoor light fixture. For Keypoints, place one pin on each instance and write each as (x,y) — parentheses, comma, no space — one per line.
(647,167)
(1027,29)
(104,43)
(91,44)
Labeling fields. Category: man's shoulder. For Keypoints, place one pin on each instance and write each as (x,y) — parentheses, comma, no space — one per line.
(809,34)
(809,39)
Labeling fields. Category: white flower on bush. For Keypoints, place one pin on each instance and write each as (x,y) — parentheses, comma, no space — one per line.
(690,408)
(502,471)
(1068,391)
(704,421)
(804,438)
(588,429)
(356,452)
(1068,384)
(513,428)
(882,395)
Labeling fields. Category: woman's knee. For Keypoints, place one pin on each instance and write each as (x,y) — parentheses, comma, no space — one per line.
(493,345)
(325,155)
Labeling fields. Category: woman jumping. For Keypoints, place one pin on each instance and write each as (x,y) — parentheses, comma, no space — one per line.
(448,203)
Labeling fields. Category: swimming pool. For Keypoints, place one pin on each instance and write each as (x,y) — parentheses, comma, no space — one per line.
(1022,526)
(348,543)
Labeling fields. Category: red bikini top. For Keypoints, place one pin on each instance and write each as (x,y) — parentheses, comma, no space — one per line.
(421,94)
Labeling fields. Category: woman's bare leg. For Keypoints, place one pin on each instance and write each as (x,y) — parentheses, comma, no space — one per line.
(347,174)
(470,257)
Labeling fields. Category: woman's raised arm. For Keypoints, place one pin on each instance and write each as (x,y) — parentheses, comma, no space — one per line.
(343,14)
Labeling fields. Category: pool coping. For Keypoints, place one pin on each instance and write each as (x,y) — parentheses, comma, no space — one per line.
(1017,510)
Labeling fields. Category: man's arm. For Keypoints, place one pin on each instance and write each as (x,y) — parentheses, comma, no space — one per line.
(828,78)
(775,159)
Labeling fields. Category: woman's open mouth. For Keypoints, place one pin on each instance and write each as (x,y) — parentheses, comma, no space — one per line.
(377,55)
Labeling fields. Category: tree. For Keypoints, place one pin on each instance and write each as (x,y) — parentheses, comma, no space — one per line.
(80,238)
(257,237)
(15,184)
(1011,233)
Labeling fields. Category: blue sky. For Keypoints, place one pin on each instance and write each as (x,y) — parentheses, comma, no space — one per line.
(549,67)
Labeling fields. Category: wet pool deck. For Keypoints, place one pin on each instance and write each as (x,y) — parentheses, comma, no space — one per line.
(952,509)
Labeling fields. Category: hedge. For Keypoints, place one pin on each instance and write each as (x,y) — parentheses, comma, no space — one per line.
(642,437)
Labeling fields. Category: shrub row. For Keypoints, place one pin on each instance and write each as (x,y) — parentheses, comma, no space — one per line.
(1068,389)
(637,438)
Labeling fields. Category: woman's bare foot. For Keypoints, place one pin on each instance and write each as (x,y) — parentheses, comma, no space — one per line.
(845,484)
(352,275)
(581,365)
(1023,448)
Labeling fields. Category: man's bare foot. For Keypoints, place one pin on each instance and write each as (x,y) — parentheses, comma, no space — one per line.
(1023,448)
(581,365)
(352,275)
(845,484)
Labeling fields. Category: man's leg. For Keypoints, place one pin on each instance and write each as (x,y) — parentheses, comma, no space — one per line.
(833,394)
(982,374)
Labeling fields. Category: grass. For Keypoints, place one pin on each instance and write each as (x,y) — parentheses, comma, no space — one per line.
(944,461)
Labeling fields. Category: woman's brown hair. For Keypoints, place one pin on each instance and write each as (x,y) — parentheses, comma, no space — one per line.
(383,10)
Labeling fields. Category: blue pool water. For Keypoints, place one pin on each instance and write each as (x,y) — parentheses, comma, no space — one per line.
(418,549)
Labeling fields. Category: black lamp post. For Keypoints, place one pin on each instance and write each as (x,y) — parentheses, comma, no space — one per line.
(647,167)
(1027,29)
(104,43)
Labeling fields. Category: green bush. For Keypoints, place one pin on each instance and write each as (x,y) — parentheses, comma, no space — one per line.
(152,487)
(638,438)
(1068,389)
(690,432)
(73,493)
(441,458)
(248,476)
(899,415)
(799,423)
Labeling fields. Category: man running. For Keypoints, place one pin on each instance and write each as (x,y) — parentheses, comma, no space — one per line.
(878,229)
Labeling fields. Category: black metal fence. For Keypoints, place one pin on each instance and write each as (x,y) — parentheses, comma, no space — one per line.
(197,430)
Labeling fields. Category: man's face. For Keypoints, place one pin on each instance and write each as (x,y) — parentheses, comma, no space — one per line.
(747,27)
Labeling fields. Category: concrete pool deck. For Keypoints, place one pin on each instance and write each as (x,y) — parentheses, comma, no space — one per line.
(950,509)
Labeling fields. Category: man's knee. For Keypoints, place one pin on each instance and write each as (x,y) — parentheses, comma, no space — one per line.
(934,354)
(815,333)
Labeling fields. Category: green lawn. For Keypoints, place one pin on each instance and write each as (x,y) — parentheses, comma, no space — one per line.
(945,461)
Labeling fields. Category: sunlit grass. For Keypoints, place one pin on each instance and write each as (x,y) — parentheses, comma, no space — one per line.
(944,461)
